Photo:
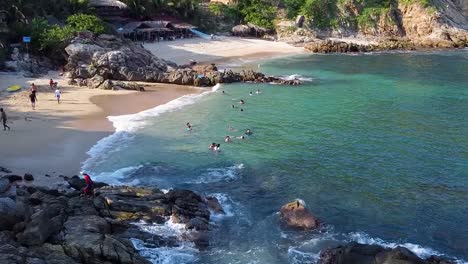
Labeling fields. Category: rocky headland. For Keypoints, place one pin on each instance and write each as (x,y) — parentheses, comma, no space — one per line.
(105,61)
(405,25)
(58,225)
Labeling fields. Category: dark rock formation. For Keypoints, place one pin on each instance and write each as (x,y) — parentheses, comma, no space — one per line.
(98,62)
(355,253)
(39,225)
(28,177)
(295,215)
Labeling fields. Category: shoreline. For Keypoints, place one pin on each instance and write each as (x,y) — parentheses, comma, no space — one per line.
(55,138)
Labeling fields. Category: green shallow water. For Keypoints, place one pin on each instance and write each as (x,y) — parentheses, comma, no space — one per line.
(376,145)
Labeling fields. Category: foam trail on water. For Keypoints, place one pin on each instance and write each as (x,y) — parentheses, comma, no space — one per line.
(296,76)
(218,174)
(126,126)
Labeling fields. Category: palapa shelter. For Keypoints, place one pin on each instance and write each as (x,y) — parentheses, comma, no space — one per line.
(110,10)
(155,30)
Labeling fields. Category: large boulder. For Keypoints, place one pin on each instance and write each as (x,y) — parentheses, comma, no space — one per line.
(295,215)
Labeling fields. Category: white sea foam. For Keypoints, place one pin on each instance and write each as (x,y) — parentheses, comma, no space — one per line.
(168,229)
(185,252)
(182,254)
(218,174)
(116,177)
(126,126)
(226,203)
(296,77)
(300,257)
(422,252)
(302,202)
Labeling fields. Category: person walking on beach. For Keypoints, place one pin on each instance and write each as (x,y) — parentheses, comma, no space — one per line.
(33,99)
(33,88)
(51,83)
(4,119)
(58,94)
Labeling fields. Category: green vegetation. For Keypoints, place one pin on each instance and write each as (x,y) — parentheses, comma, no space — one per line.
(370,16)
(259,12)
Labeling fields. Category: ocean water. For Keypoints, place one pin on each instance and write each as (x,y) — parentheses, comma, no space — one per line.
(376,145)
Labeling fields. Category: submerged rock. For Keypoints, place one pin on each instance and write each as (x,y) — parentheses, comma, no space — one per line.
(295,215)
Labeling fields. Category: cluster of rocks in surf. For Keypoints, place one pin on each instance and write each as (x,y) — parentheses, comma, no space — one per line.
(49,226)
(99,61)
(335,46)
(295,215)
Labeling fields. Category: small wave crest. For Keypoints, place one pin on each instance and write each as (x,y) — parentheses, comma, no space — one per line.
(218,174)
(116,177)
(422,252)
(296,77)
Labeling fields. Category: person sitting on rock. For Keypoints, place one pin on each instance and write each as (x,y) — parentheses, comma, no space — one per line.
(89,188)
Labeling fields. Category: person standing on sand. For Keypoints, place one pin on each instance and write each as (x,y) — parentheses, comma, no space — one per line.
(33,99)
(4,119)
(51,83)
(58,94)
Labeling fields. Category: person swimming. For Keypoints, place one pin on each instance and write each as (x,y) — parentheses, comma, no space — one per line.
(227,139)
(189,126)
(242,110)
(217,147)
(232,106)
(258,91)
(241,101)
(248,132)
(241,137)
(212,146)
(250,93)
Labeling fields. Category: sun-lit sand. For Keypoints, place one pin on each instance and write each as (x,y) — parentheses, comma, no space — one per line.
(223,49)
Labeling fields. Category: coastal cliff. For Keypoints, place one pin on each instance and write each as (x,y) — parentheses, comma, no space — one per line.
(362,26)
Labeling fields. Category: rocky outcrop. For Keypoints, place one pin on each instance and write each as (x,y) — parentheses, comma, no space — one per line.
(295,215)
(404,25)
(355,253)
(248,30)
(105,61)
(41,225)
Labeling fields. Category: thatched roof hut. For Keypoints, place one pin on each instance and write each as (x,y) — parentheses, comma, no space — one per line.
(107,3)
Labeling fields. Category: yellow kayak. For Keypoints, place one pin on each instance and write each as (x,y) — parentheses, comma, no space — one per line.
(13,88)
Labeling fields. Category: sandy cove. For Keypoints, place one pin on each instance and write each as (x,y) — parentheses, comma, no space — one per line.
(55,137)
(223,50)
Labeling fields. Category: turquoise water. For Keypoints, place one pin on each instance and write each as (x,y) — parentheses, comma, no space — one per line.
(375,145)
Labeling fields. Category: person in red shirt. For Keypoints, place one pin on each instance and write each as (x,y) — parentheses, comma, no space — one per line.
(51,83)
(89,189)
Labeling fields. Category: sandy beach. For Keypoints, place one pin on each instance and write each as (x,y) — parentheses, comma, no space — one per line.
(54,138)
(225,50)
